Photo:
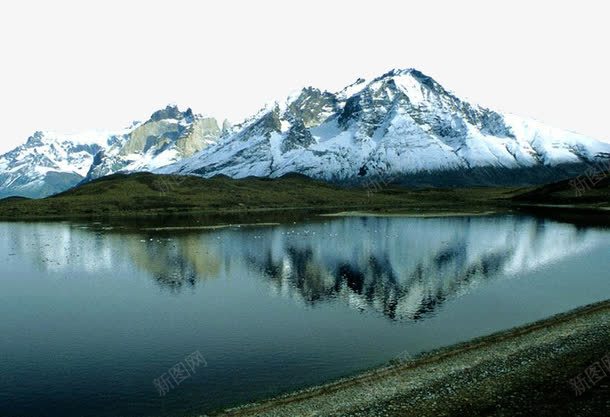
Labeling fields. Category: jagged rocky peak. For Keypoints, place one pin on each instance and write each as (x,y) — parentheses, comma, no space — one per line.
(267,121)
(170,126)
(313,106)
(49,162)
(298,136)
(35,139)
(306,109)
(45,164)
(403,125)
(351,89)
(169,135)
(486,120)
(411,92)
(170,112)
(369,105)
(202,132)
(227,127)
(417,75)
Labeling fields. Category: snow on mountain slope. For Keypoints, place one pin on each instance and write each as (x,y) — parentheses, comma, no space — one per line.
(49,163)
(168,136)
(402,125)
(555,145)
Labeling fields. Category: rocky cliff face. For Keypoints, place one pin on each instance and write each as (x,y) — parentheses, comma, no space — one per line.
(168,136)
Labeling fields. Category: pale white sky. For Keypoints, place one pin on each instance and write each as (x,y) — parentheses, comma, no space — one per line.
(70,66)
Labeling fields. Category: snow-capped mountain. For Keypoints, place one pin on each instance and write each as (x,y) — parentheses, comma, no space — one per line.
(49,163)
(168,136)
(402,126)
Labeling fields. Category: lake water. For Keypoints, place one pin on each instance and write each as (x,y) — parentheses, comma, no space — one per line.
(91,316)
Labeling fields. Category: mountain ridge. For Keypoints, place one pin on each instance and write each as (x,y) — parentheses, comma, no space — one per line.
(401,127)
(48,163)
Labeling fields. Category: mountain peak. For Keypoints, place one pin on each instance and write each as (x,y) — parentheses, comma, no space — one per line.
(400,71)
(171,111)
(35,139)
(413,74)
(352,89)
(402,124)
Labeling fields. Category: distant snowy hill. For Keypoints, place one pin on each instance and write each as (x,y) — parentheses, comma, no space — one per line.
(50,163)
(402,126)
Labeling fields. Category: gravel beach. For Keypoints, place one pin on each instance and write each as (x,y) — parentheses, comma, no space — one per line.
(525,371)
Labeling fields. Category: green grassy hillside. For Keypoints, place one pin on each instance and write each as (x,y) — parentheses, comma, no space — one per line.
(580,191)
(146,194)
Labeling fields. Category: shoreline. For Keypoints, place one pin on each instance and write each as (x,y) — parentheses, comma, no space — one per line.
(218,217)
(412,213)
(508,367)
(210,227)
(323,211)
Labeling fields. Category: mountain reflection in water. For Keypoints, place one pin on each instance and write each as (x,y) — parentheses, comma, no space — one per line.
(403,268)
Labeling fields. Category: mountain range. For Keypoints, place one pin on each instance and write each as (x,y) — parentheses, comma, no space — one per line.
(401,127)
(49,163)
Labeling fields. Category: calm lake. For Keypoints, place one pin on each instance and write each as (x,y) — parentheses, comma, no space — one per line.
(91,316)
